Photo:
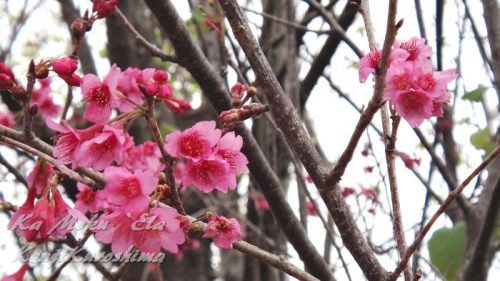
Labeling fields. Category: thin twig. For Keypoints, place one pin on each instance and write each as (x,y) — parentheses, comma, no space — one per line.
(167,158)
(153,49)
(451,196)
(13,171)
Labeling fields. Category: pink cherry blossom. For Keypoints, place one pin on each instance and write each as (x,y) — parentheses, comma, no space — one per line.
(25,210)
(414,106)
(416,48)
(101,150)
(128,87)
(69,139)
(165,232)
(194,143)
(100,96)
(370,62)
(348,191)
(149,232)
(228,148)
(88,199)
(18,275)
(145,157)
(209,174)
(7,119)
(399,78)
(50,216)
(40,176)
(65,216)
(224,232)
(130,191)
(434,82)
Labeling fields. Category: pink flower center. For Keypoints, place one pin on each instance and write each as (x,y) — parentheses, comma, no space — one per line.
(88,196)
(131,187)
(374,58)
(400,82)
(426,82)
(100,95)
(193,145)
(412,101)
(412,48)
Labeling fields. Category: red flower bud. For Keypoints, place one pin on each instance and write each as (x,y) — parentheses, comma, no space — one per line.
(64,66)
(160,76)
(104,8)
(7,79)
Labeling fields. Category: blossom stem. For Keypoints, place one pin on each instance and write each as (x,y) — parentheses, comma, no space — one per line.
(167,158)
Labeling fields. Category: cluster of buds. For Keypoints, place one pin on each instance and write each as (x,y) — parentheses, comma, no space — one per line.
(7,79)
(230,118)
(9,83)
(158,85)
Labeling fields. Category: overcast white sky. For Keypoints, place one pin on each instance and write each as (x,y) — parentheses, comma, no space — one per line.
(333,118)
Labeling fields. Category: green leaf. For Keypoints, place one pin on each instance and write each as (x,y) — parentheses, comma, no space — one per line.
(446,248)
(481,138)
(475,95)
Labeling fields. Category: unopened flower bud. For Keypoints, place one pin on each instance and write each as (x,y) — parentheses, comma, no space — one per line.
(33,110)
(252,91)
(237,92)
(104,8)
(42,69)
(64,66)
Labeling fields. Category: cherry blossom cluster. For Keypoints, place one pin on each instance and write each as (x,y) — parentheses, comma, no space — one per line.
(129,211)
(210,160)
(416,91)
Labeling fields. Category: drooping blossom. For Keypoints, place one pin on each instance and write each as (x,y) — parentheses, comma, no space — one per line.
(50,216)
(102,149)
(371,61)
(65,216)
(148,231)
(144,157)
(69,139)
(7,79)
(40,176)
(129,190)
(100,95)
(209,174)
(194,143)
(228,148)
(88,199)
(42,98)
(223,231)
(104,8)
(18,275)
(7,119)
